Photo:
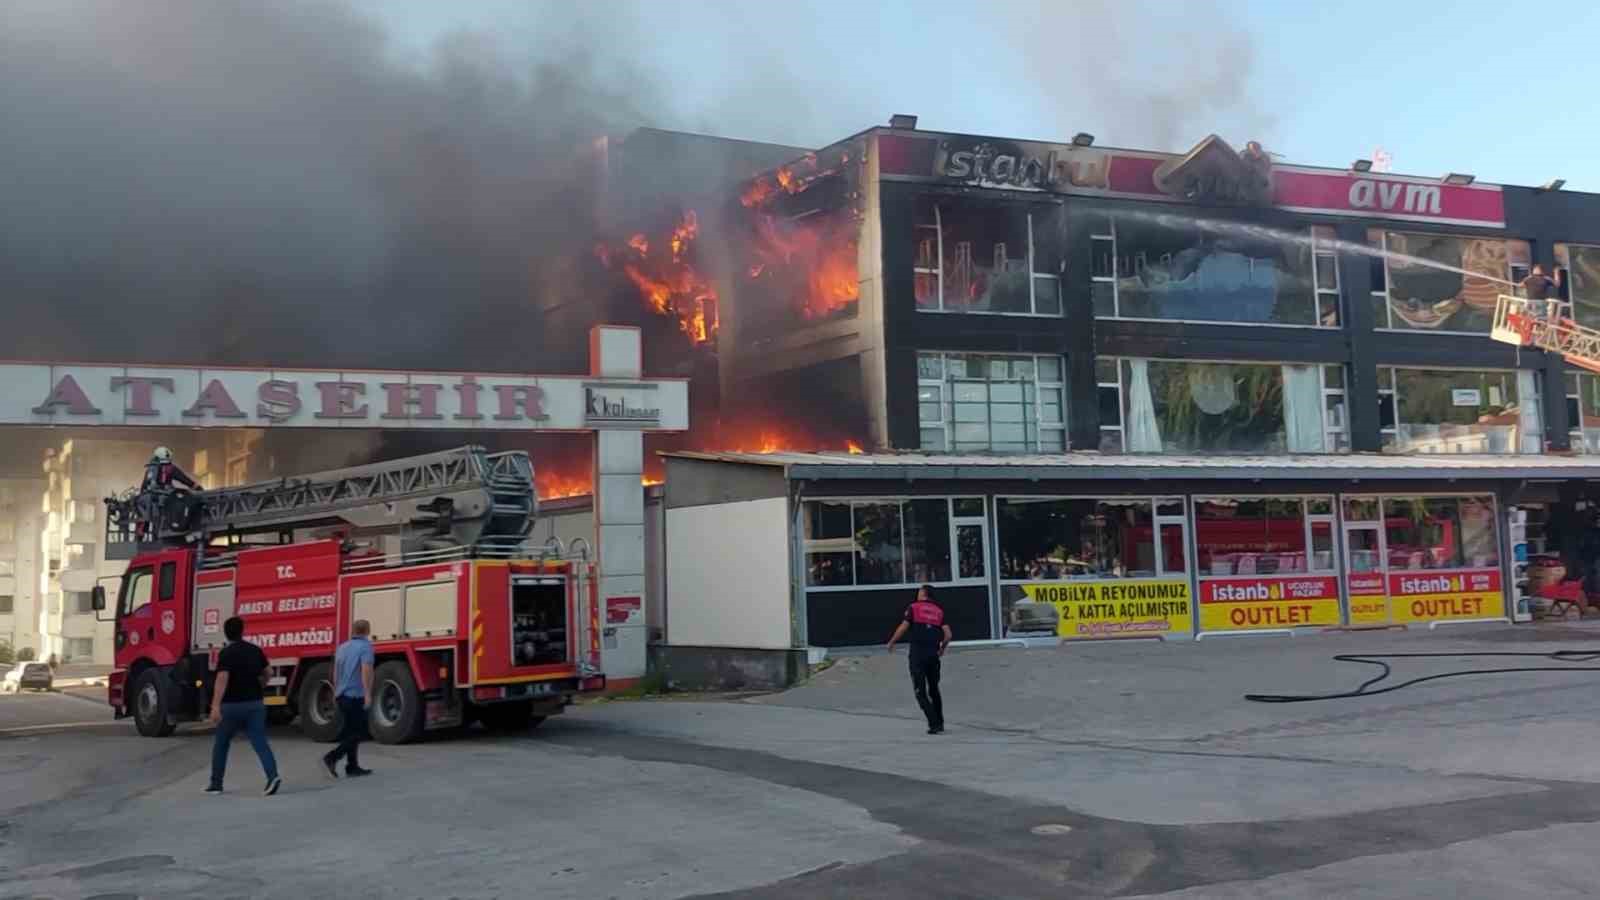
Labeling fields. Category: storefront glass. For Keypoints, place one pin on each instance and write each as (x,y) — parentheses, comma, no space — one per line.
(1423,559)
(893,542)
(1089,567)
(1266,562)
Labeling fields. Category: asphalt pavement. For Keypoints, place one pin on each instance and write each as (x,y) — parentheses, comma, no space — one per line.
(1088,770)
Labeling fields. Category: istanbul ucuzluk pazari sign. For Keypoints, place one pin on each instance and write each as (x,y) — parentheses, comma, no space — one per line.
(46,394)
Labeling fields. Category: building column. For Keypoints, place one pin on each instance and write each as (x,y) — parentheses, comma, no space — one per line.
(617,352)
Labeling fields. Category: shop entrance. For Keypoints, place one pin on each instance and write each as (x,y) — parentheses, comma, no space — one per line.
(1365,594)
(1422,559)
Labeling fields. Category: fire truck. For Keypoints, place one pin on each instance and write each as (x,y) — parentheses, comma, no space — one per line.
(468,621)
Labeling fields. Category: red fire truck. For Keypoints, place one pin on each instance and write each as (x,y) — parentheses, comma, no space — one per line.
(468,623)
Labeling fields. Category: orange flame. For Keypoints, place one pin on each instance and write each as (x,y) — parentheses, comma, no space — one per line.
(671,286)
(552,485)
(854,448)
(825,254)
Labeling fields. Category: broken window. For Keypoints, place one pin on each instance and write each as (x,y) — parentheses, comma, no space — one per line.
(1144,269)
(986,258)
(1441,282)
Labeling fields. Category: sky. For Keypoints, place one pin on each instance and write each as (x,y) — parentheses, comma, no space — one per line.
(1490,88)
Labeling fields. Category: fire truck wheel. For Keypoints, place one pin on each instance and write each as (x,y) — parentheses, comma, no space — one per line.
(319,715)
(152,704)
(508,717)
(396,704)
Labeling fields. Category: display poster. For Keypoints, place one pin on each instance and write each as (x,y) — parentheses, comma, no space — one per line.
(1369,599)
(1244,604)
(1437,596)
(1120,607)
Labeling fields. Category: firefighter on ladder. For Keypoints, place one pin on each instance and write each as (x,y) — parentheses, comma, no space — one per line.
(1544,295)
(163,479)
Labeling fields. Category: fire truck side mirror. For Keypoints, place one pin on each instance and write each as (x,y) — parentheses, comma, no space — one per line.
(98,598)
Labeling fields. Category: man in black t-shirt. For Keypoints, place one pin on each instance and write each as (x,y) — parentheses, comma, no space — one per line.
(929,636)
(236,705)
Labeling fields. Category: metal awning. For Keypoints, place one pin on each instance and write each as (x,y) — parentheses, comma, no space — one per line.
(1083,465)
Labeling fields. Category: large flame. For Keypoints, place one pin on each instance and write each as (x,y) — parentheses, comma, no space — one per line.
(823,253)
(667,279)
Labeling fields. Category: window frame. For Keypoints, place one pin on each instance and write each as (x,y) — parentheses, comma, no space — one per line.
(1157,522)
(947,421)
(1387,325)
(1110,234)
(1336,438)
(1389,436)
(1308,522)
(954,523)
(939,281)
(132,577)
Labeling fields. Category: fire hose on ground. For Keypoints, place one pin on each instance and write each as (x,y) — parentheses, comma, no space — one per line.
(1369,687)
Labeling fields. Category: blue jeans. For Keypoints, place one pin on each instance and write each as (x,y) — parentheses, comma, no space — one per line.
(251,717)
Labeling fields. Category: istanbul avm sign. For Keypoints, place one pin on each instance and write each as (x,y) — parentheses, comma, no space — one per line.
(56,394)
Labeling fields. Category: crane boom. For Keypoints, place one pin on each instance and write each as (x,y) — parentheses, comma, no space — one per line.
(1546,325)
(466,496)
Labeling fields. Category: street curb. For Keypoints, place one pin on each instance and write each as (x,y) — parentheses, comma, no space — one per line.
(97,701)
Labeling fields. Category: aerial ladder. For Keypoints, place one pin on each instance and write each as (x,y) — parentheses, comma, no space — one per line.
(1546,325)
(462,498)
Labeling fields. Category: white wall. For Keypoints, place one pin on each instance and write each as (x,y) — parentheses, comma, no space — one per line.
(728,575)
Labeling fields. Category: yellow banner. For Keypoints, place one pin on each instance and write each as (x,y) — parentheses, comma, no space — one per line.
(1369,610)
(1116,607)
(1443,607)
(1268,614)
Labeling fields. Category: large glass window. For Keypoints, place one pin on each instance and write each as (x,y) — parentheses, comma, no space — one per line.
(1440,282)
(894,542)
(1582,281)
(1459,411)
(1155,406)
(1145,269)
(1051,538)
(986,258)
(1263,536)
(1440,532)
(1002,404)
(1583,411)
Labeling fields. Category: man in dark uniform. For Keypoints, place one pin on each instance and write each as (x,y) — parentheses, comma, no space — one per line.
(929,635)
(162,477)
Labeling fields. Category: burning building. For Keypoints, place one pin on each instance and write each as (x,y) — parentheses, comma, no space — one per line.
(1114,393)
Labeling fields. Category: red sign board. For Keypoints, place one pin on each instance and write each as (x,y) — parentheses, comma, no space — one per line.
(623,610)
(1269,590)
(1063,168)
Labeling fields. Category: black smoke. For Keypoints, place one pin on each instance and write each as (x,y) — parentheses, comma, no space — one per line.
(211,181)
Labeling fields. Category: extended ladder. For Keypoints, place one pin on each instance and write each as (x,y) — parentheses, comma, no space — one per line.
(1546,325)
(465,496)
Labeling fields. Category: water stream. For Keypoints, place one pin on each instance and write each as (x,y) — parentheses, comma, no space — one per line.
(1281,236)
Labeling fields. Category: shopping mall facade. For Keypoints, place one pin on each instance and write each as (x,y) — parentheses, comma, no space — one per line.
(1135,394)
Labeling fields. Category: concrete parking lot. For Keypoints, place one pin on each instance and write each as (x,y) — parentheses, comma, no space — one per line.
(1103,770)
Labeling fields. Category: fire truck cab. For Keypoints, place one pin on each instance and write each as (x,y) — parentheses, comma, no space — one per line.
(467,622)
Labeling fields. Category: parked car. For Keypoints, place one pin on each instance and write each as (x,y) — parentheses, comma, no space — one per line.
(33,676)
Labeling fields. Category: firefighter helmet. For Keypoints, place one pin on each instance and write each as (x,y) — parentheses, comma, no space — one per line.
(162,455)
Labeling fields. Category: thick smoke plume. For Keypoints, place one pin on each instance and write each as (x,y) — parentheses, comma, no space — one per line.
(1144,74)
(228,181)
